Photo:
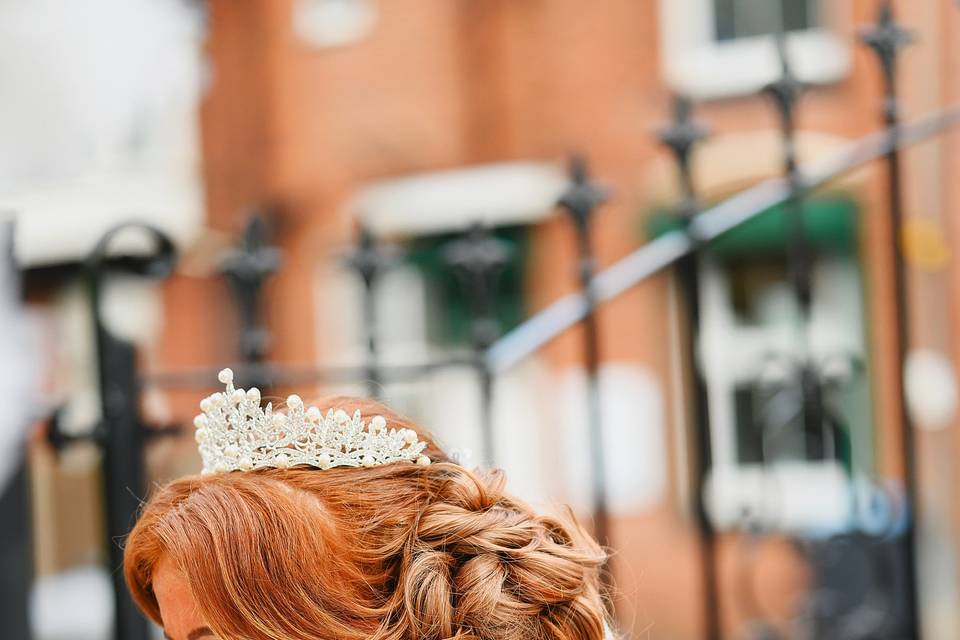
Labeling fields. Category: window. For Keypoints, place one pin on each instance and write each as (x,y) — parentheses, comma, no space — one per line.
(735,19)
(752,353)
(723,48)
(425,211)
(333,23)
(423,313)
(448,303)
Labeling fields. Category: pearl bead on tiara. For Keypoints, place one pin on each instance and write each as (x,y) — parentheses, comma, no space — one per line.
(235,434)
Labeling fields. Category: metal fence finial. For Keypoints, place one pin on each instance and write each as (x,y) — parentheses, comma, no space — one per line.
(478,258)
(681,136)
(787,89)
(369,260)
(247,269)
(886,38)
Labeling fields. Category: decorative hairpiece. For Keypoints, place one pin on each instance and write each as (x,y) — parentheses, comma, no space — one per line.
(236,434)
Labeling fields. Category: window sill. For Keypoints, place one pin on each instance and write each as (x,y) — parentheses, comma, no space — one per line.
(714,70)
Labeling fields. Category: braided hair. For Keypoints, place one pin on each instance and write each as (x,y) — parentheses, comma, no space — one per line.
(396,552)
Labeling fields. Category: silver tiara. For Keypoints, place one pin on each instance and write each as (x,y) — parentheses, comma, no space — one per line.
(235,434)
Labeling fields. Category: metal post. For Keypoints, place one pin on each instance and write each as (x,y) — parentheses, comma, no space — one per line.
(785,93)
(16,556)
(247,269)
(369,261)
(122,432)
(681,137)
(479,258)
(580,201)
(885,39)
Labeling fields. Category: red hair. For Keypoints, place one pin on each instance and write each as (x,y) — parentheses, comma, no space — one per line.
(397,552)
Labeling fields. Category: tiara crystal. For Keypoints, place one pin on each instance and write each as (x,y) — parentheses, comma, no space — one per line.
(235,434)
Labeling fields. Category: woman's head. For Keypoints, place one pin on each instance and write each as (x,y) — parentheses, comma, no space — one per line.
(399,551)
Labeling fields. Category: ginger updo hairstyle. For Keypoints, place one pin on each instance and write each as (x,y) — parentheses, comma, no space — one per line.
(396,552)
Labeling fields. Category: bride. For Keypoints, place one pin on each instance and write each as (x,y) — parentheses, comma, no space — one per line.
(348,525)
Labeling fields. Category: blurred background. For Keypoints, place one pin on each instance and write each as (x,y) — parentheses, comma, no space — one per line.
(685,265)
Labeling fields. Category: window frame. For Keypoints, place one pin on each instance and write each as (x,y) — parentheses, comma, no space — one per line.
(696,64)
(730,351)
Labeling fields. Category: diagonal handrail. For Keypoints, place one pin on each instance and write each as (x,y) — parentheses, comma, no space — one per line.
(713,222)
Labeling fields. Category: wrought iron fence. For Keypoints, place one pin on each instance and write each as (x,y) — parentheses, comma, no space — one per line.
(843,603)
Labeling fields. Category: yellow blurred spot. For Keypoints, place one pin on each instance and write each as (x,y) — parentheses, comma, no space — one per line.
(924,246)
